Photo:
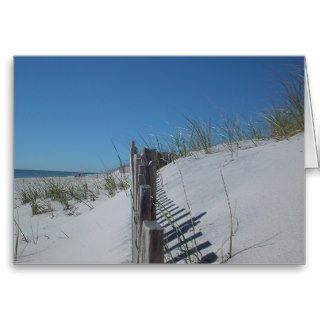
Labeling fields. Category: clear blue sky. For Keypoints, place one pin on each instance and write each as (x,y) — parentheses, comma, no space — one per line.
(67,110)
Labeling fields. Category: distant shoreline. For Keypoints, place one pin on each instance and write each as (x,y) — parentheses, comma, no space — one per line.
(28,173)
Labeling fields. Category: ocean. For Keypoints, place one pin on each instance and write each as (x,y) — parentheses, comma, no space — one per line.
(22,173)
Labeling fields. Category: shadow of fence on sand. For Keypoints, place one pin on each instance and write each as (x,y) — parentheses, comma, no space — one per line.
(182,240)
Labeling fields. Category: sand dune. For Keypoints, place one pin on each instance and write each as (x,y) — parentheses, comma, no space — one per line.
(267,195)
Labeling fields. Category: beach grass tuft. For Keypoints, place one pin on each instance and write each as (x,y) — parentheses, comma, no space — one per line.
(201,135)
(288,120)
(110,184)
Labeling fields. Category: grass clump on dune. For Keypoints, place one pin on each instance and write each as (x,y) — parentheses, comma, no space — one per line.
(179,144)
(30,193)
(110,184)
(57,192)
(201,135)
(39,194)
(123,183)
(113,183)
(34,195)
(254,132)
(289,120)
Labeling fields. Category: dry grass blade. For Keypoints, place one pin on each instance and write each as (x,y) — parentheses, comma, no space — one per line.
(230,215)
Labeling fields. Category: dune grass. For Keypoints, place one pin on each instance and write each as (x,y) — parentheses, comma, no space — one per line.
(201,135)
(40,193)
(229,253)
(34,195)
(110,184)
(57,191)
(179,145)
(286,121)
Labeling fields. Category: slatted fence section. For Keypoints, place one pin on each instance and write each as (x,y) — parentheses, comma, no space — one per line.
(147,234)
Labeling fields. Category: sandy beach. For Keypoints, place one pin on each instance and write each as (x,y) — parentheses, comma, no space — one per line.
(266,197)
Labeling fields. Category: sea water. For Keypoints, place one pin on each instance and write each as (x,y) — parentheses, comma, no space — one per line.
(22,173)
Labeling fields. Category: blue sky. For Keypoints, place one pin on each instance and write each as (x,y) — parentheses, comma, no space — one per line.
(67,110)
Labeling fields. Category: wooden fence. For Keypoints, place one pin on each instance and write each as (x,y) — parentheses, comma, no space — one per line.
(147,234)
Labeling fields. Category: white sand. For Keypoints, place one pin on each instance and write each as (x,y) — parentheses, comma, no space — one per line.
(101,235)
(266,186)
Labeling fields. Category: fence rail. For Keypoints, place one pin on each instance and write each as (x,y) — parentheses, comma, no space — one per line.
(147,233)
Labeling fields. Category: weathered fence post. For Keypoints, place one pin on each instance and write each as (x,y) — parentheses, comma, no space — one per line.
(144,213)
(152,242)
(136,163)
(133,151)
(149,157)
(147,234)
